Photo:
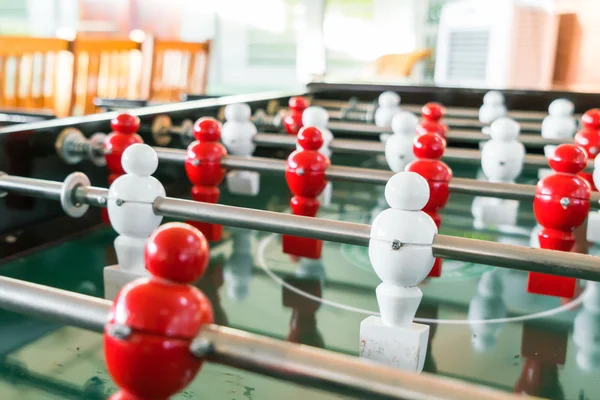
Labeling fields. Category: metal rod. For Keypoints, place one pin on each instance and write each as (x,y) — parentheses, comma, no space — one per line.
(454,135)
(31,187)
(457,112)
(463,123)
(302,364)
(472,187)
(539,260)
(269,221)
(452,154)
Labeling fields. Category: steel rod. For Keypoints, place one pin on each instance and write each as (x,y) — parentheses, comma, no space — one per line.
(461,123)
(31,187)
(472,187)
(457,112)
(463,249)
(302,364)
(453,135)
(452,154)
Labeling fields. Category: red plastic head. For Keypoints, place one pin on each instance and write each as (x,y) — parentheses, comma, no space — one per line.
(433,111)
(591,119)
(429,146)
(310,138)
(177,252)
(298,103)
(568,158)
(207,129)
(125,123)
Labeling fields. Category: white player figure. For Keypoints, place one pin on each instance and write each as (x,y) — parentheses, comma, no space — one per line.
(237,271)
(389,105)
(502,159)
(130,199)
(400,250)
(319,118)
(593,223)
(586,329)
(487,304)
(399,146)
(237,135)
(559,124)
(493,108)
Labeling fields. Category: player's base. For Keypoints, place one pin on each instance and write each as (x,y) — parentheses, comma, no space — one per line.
(302,247)
(212,232)
(245,183)
(551,285)
(115,279)
(399,347)
(489,211)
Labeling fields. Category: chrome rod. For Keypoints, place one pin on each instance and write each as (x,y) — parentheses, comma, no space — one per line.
(472,187)
(453,135)
(301,364)
(39,188)
(539,260)
(462,123)
(452,154)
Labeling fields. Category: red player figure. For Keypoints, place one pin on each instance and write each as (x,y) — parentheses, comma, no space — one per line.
(432,113)
(428,150)
(305,176)
(124,134)
(203,168)
(153,320)
(561,204)
(293,121)
(588,138)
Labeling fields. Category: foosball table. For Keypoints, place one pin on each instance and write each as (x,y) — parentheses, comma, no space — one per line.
(349,241)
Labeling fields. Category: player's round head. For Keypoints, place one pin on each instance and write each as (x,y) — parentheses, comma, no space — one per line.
(239,112)
(433,111)
(429,146)
(505,129)
(591,119)
(493,98)
(207,129)
(310,138)
(298,103)
(407,191)
(315,116)
(177,252)
(568,158)
(125,123)
(139,160)
(561,108)
(405,123)
(388,99)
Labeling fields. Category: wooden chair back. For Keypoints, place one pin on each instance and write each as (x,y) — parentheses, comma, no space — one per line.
(398,65)
(104,67)
(178,68)
(31,75)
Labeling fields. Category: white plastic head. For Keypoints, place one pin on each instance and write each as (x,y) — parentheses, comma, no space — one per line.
(239,112)
(493,98)
(315,116)
(505,129)
(139,160)
(388,99)
(407,191)
(405,123)
(561,108)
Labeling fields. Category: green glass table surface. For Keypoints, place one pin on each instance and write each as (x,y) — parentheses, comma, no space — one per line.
(534,344)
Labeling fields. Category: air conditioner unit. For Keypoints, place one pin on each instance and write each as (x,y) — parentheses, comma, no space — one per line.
(496,44)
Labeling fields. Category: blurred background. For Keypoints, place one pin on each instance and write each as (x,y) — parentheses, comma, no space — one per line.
(282,44)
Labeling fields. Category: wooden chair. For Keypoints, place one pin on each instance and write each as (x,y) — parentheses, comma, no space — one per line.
(30,74)
(177,68)
(104,67)
(398,65)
